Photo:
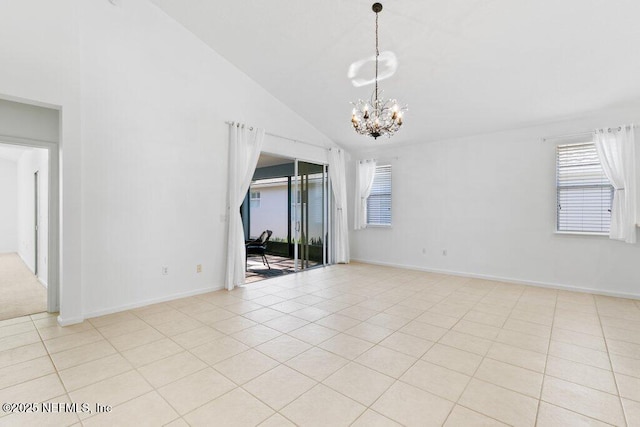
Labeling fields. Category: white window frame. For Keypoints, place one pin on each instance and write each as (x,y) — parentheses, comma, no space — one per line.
(382,172)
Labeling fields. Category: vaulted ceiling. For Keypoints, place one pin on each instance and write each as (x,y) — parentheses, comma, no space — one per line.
(464,66)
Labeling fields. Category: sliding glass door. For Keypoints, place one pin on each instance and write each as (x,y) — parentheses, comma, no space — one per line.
(309,207)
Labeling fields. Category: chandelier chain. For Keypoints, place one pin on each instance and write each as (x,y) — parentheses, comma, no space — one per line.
(377,55)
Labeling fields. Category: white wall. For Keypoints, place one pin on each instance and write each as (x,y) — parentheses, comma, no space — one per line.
(30,162)
(489,200)
(154,102)
(143,144)
(8,206)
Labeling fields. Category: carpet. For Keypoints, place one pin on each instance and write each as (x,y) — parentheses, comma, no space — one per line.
(20,291)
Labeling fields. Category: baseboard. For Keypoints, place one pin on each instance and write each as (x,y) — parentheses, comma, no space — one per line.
(42,282)
(151,301)
(503,279)
(70,321)
(29,266)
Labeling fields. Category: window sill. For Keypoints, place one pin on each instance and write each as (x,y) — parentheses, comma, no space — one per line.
(378,225)
(581,233)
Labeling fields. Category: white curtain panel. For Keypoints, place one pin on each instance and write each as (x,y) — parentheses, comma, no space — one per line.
(245,144)
(365,173)
(616,150)
(337,170)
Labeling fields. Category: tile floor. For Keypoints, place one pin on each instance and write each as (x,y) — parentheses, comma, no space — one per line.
(353,345)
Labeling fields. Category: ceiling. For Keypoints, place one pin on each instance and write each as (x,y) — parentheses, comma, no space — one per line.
(464,66)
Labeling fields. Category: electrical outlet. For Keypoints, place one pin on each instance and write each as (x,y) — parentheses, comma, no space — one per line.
(165,271)
(444,252)
(199,268)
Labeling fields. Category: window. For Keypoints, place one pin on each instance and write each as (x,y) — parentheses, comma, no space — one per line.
(254,200)
(379,201)
(584,194)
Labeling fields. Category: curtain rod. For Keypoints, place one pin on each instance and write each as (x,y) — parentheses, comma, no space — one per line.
(571,135)
(280,136)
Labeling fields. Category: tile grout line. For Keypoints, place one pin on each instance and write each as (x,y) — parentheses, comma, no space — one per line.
(546,361)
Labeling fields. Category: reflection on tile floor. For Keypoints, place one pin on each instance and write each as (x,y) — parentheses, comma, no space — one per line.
(257,270)
(344,345)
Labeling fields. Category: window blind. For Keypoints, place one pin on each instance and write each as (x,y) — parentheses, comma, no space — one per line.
(584,194)
(379,201)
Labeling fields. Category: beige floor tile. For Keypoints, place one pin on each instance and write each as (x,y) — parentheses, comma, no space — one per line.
(476,329)
(632,412)
(149,353)
(591,328)
(22,354)
(628,335)
(358,313)
(322,406)
(310,314)
(243,307)
(463,417)
(496,402)
(338,322)
(149,409)
(59,331)
(629,387)
(25,371)
(626,365)
(279,386)
(412,406)
(170,329)
(386,361)
(317,363)
(256,335)
(360,383)
(313,333)
(435,379)
(113,391)
(91,372)
(600,379)
(577,338)
(236,408)
(346,346)
(172,368)
(466,342)
(212,316)
(509,376)
(404,311)
(287,306)
(268,300)
(555,416)
(245,366)
(623,348)
(388,321)
(587,401)
(579,354)
(373,419)
(56,345)
(219,350)
(36,390)
(524,341)
(517,356)
(233,324)
(369,332)
(283,348)
(277,420)
(113,330)
(423,330)
(196,337)
(453,358)
(263,315)
(407,344)
(135,339)
(286,323)
(528,328)
(485,318)
(195,390)
(112,318)
(82,354)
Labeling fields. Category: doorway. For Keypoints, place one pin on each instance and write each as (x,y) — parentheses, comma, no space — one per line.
(288,197)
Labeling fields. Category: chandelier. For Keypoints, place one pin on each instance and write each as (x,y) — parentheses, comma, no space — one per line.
(377,116)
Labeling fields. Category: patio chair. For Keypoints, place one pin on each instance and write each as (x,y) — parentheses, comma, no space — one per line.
(259,247)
